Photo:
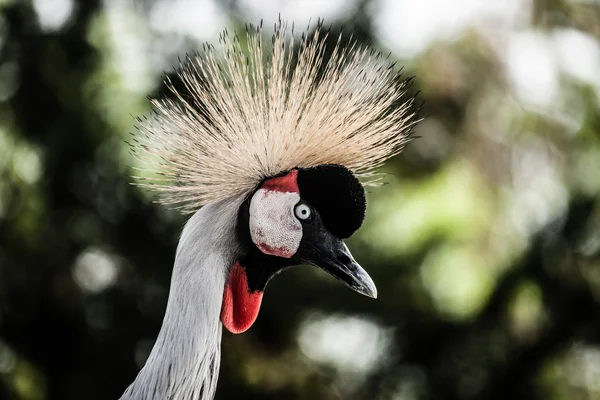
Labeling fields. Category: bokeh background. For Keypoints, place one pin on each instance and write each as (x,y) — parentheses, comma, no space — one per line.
(485,244)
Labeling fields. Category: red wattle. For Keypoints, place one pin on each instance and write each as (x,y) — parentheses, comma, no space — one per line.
(240,305)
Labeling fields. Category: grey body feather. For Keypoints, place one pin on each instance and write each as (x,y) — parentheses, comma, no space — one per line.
(184,363)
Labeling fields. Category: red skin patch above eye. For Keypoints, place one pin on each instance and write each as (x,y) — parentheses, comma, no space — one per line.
(286,183)
(240,306)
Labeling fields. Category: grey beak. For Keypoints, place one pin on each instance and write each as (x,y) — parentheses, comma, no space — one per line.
(360,280)
(331,254)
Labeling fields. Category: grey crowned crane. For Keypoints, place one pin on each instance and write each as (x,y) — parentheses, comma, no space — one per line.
(270,147)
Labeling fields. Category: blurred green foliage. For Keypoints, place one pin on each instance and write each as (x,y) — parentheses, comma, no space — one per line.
(485,244)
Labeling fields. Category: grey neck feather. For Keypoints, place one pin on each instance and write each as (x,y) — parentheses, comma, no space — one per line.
(184,363)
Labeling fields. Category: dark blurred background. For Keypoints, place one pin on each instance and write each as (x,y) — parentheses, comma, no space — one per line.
(485,244)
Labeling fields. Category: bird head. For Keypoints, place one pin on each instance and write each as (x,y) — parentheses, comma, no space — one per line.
(304,216)
(300,217)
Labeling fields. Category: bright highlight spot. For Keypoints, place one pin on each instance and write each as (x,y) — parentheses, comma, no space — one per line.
(8,359)
(532,68)
(457,279)
(350,344)
(199,19)
(409,27)
(578,54)
(538,193)
(27,164)
(526,311)
(582,368)
(299,12)
(53,14)
(95,270)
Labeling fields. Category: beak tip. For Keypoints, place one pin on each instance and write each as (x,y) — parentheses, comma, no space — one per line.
(364,283)
(369,290)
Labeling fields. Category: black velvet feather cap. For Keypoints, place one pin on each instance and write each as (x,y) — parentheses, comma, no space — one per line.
(336,194)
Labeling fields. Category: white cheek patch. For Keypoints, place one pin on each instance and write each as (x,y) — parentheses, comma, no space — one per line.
(273,227)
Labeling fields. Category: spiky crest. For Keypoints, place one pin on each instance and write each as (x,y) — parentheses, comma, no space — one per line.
(243,118)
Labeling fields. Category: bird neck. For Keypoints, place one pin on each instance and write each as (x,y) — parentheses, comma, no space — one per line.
(184,362)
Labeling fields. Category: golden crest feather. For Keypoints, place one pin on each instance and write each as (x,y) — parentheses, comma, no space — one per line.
(252,111)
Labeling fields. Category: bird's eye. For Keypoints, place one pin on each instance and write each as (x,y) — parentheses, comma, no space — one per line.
(303,212)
